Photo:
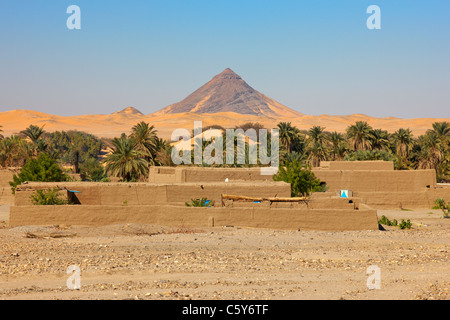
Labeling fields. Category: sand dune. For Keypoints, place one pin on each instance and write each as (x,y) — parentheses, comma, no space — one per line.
(112,125)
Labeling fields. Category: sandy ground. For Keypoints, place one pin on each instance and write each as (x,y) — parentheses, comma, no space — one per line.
(154,263)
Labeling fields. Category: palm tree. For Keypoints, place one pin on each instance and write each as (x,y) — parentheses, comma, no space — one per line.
(6,147)
(442,130)
(288,135)
(317,144)
(403,140)
(436,153)
(34,133)
(14,151)
(294,156)
(359,134)
(339,145)
(164,154)
(21,151)
(146,140)
(431,154)
(317,134)
(1,136)
(379,139)
(126,160)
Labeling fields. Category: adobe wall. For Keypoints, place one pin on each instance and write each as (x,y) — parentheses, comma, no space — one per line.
(153,194)
(177,216)
(404,200)
(375,182)
(357,165)
(378,180)
(6,196)
(197,174)
(200,174)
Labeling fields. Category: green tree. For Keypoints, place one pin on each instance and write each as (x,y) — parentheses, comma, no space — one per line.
(431,152)
(288,135)
(14,151)
(146,140)
(379,139)
(302,179)
(403,140)
(35,136)
(442,131)
(295,156)
(92,169)
(74,147)
(6,147)
(359,135)
(43,168)
(126,160)
(34,133)
(164,154)
(339,146)
(317,145)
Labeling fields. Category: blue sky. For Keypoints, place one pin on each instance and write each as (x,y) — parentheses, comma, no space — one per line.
(316,57)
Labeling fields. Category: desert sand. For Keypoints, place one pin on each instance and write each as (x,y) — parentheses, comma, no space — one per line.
(146,262)
(113,125)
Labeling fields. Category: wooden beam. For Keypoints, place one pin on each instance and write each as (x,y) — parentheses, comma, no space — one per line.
(252,199)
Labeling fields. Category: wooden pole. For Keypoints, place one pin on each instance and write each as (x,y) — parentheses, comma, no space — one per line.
(252,199)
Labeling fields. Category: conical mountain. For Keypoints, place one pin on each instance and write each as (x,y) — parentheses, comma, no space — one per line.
(228,92)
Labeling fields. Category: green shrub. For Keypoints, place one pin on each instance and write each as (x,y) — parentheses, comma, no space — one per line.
(48,197)
(302,179)
(92,169)
(405,224)
(385,221)
(444,206)
(44,169)
(203,202)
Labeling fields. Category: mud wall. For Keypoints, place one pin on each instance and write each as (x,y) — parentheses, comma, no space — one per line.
(357,165)
(194,174)
(153,194)
(378,181)
(6,196)
(375,182)
(283,219)
(404,200)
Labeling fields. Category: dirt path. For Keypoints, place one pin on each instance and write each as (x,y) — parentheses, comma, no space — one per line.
(152,262)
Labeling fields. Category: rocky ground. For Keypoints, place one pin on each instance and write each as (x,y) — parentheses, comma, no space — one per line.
(153,262)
